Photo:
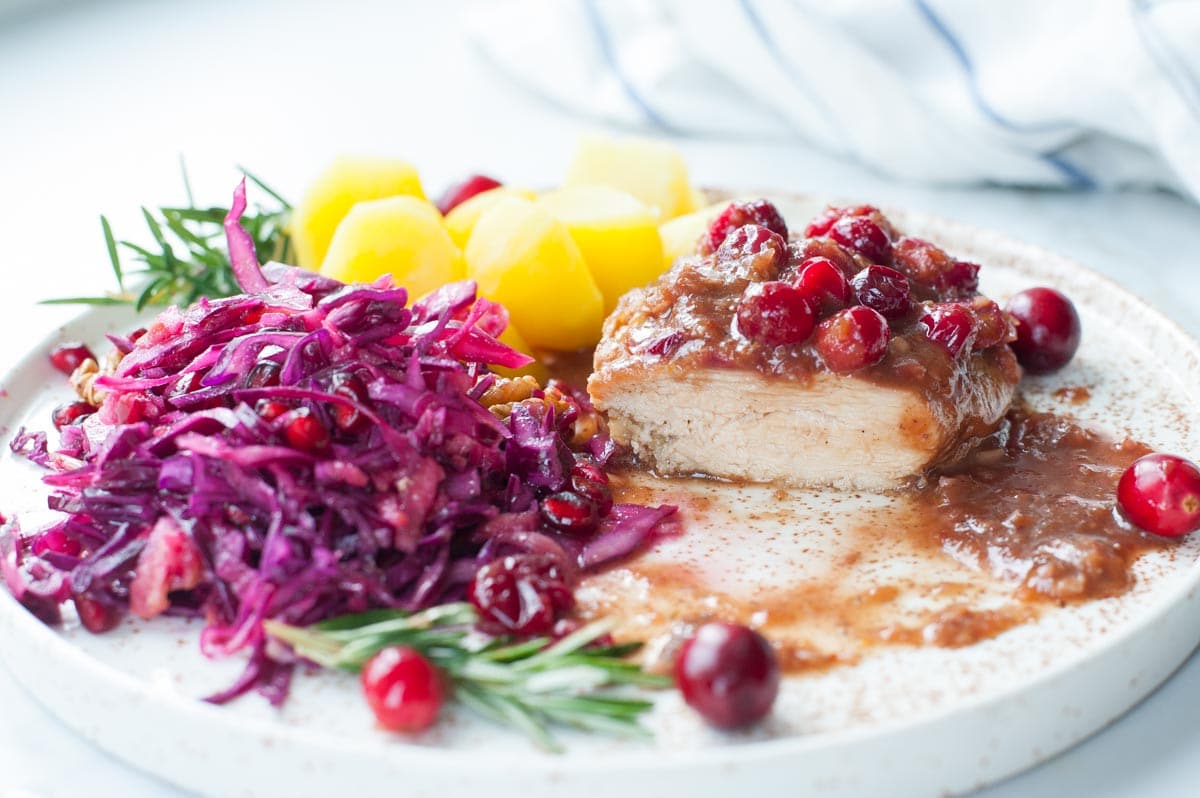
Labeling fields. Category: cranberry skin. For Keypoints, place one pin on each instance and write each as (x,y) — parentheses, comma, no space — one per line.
(992,326)
(67,357)
(775,313)
(752,239)
(948,324)
(65,415)
(345,417)
(864,236)
(402,688)
(589,480)
(262,374)
(728,674)
(1161,494)
(883,289)
(569,512)
(853,339)
(461,192)
(520,595)
(55,540)
(758,212)
(1048,329)
(822,223)
(304,431)
(823,284)
(271,409)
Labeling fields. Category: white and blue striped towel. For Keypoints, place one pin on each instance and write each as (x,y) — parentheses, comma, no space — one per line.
(1073,93)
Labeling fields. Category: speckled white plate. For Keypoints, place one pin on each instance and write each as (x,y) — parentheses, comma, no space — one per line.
(903,721)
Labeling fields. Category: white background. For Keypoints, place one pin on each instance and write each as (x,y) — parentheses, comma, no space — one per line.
(98,101)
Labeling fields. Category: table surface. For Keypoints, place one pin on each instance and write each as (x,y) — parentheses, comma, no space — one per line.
(101,99)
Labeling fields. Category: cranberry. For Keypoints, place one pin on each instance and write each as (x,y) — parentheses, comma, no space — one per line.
(589,479)
(752,239)
(853,339)
(883,289)
(402,688)
(992,325)
(570,512)
(928,264)
(67,357)
(345,417)
(775,313)
(821,225)
(948,324)
(461,192)
(65,415)
(728,674)
(1161,494)
(1047,329)
(520,595)
(262,374)
(961,278)
(864,236)
(759,212)
(56,541)
(96,616)
(271,409)
(304,431)
(823,284)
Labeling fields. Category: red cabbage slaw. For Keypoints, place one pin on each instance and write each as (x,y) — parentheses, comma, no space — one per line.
(179,497)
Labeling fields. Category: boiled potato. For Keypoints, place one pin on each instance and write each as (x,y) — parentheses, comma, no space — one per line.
(525,259)
(617,234)
(461,220)
(680,235)
(346,181)
(400,236)
(652,171)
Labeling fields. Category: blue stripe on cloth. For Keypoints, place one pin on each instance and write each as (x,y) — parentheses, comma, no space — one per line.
(764,34)
(1077,177)
(604,40)
(1176,68)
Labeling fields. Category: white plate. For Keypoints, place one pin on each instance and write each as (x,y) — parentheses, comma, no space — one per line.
(902,721)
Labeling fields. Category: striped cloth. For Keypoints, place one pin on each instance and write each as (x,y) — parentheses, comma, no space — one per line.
(1071,93)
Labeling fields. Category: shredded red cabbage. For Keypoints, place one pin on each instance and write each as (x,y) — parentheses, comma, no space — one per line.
(184,495)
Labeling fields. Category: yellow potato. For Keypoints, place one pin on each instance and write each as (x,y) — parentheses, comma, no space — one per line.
(524,258)
(461,220)
(400,236)
(345,182)
(512,337)
(617,234)
(680,235)
(652,171)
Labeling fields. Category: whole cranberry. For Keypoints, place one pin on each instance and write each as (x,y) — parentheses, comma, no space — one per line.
(862,235)
(67,357)
(1161,494)
(1048,329)
(728,673)
(271,409)
(346,417)
(775,313)
(459,193)
(755,240)
(760,212)
(883,289)
(824,221)
(304,431)
(520,595)
(402,688)
(948,324)
(823,284)
(589,479)
(570,512)
(262,374)
(853,339)
(64,415)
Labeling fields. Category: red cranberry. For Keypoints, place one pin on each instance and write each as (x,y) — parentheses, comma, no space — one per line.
(822,223)
(823,284)
(1161,494)
(262,374)
(1047,329)
(589,479)
(759,212)
(96,616)
(57,541)
(960,278)
(304,431)
(992,325)
(520,595)
(728,674)
(67,357)
(345,417)
(775,313)
(864,236)
(883,289)
(853,339)
(569,512)
(65,415)
(929,265)
(750,240)
(402,688)
(461,192)
(271,409)
(948,324)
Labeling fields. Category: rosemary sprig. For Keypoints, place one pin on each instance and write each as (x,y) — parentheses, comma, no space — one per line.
(188,258)
(529,684)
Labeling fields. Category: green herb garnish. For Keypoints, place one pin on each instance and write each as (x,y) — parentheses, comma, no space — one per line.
(188,258)
(528,684)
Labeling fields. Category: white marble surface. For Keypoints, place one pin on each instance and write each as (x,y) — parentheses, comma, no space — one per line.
(97,101)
